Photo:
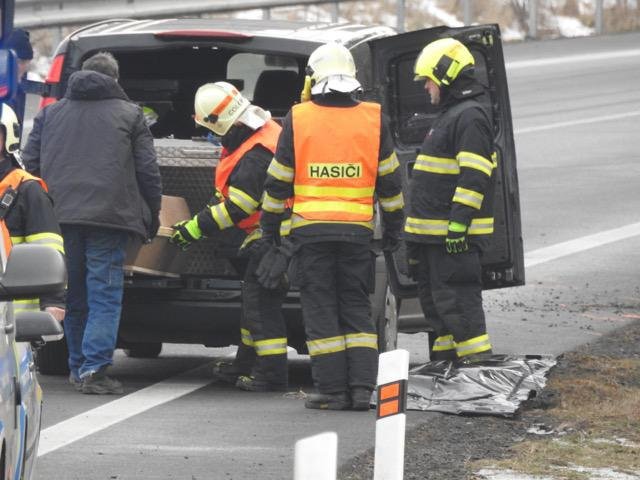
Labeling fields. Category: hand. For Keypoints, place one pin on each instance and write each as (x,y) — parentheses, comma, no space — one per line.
(272,270)
(154,227)
(390,241)
(185,233)
(56,312)
(456,241)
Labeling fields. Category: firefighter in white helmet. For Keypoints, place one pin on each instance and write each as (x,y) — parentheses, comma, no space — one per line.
(335,154)
(450,213)
(249,137)
(26,208)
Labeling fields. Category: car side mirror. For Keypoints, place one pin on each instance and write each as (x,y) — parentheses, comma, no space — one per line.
(33,270)
(8,74)
(37,327)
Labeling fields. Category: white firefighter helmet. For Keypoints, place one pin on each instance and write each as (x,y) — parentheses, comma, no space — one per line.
(218,106)
(331,68)
(9,121)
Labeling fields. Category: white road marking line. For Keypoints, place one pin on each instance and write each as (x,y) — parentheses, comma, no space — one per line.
(585,58)
(104,416)
(564,249)
(570,123)
(151,448)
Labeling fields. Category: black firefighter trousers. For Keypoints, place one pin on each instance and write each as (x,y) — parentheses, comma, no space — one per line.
(450,291)
(262,351)
(335,279)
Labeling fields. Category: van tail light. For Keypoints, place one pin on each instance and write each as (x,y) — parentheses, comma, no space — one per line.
(53,78)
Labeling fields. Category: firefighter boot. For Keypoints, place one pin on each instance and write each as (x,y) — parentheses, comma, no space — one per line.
(328,401)
(229,372)
(360,398)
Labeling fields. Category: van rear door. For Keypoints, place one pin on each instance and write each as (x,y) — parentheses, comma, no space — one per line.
(411,115)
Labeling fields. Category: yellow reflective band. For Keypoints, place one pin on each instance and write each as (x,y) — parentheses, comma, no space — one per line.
(272,204)
(427,163)
(49,239)
(391,204)
(272,346)
(297,222)
(26,305)
(245,336)
(361,340)
(474,345)
(243,200)
(444,343)
(475,161)
(340,192)
(16,240)
(285,227)
(326,345)
(221,216)
(333,206)
(280,171)
(481,226)
(468,197)
(423,226)
(388,165)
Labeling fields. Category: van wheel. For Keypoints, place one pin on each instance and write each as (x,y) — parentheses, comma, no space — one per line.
(387,320)
(52,358)
(143,350)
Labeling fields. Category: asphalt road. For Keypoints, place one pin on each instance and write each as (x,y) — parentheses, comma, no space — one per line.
(576,106)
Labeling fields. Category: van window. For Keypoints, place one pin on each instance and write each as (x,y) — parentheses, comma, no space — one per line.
(271,81)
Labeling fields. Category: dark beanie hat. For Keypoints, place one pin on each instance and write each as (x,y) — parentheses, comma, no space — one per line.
(19,41)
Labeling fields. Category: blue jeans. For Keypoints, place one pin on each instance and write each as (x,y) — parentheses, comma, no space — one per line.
(94,298)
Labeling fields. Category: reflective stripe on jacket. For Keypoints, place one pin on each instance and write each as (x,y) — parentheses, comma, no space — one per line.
(267,136)
(335,178)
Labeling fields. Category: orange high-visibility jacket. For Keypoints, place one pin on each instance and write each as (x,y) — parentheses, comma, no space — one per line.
(267,136)
(336,161)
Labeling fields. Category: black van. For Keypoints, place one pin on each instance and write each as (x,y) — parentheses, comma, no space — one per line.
(163,62)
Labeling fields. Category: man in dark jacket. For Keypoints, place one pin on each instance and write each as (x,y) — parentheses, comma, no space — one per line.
(96,153)
(20,43)
(450,218)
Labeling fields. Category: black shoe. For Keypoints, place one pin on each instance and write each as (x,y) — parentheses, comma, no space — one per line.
(228,372)
(98,383)
(328,401)
(76,382)
(250,384)
(360,398)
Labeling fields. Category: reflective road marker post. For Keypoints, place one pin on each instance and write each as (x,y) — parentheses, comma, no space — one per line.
(316,458)
(393,373)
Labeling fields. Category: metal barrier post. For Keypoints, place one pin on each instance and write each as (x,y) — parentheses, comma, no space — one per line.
(466,12)
(316,458)
(400,15)
(335,11)
(533,18)
(599,20)
(393,373)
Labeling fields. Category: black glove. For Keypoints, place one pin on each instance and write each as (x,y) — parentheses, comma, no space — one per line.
(390,241)
(456,241)
(272,270)
(154,226)
(413,260)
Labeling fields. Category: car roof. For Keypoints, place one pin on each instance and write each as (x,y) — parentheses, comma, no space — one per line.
(348,34)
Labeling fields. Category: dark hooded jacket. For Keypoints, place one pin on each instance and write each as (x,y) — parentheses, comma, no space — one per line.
(96,154)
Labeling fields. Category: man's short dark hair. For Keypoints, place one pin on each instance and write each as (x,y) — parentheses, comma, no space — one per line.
(102,62)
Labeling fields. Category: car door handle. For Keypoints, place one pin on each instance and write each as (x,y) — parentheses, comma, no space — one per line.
(9,328)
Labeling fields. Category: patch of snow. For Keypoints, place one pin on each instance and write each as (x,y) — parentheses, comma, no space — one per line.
(255,14)
(571,27)
(540,429)
(623,442)
(512,34)
(604,473)
(443,17)
(494,474)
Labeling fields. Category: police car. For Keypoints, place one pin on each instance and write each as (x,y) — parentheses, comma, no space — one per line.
(163,62)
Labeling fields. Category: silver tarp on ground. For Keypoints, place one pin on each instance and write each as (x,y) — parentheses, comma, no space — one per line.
(496,385)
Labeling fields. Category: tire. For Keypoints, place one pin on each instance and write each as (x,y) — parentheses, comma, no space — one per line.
(387,309)
(52,358)
(143,350)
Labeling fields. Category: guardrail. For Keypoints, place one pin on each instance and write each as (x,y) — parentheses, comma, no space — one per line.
(60,13)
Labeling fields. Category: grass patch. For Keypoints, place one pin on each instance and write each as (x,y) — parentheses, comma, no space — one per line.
(596,421)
